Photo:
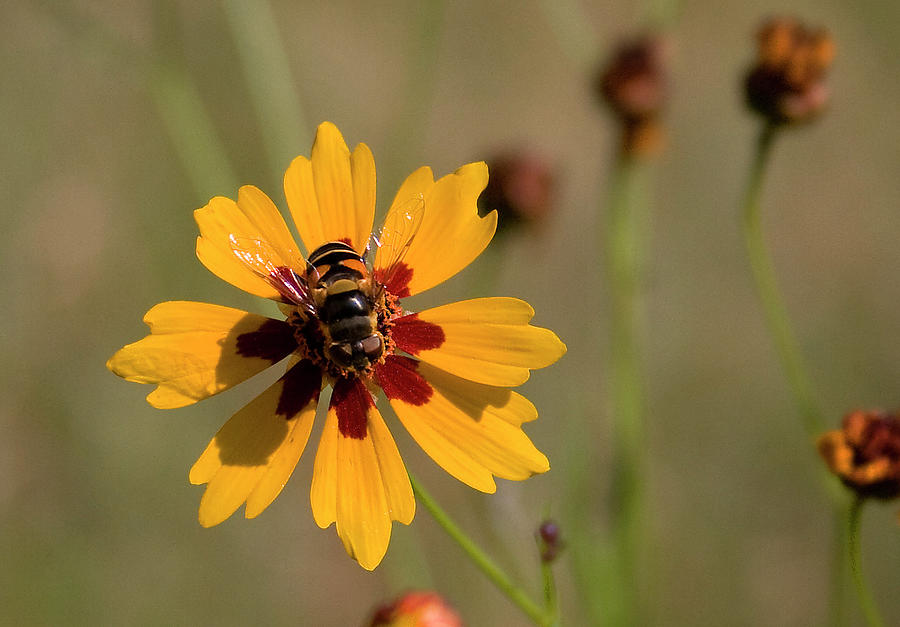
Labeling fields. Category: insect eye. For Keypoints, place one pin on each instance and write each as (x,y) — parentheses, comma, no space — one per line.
(373,347)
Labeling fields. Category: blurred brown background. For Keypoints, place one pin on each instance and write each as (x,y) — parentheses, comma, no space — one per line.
(103,157)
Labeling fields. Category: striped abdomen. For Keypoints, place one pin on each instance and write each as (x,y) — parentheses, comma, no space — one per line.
(343,294)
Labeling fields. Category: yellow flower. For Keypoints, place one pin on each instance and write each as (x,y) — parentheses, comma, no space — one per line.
(447,371)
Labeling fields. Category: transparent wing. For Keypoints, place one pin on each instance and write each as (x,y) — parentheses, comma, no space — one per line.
(396,235)
(276,266)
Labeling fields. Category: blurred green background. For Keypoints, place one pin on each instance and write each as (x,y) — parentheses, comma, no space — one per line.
(121,118)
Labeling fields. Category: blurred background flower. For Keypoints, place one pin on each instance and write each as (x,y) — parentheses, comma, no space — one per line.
(520,189)
(113,116)
(865,453)
(787,83)
(416,609)
(634,85)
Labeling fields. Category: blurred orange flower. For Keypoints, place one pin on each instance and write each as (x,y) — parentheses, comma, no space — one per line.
(787,83)
(865,453)
(417,609)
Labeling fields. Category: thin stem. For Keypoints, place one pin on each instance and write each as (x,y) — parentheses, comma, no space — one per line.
(175,94)
(191,130)
(583,528)
(866,601)
(625,235)
(838,591)
(551,601)
(183,111)
(662,14)
(412,110)
(571,25)
(481,560)
(787,348)
(769,294)
(271,86)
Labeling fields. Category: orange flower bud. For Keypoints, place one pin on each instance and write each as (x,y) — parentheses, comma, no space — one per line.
(633,83)
(787,84)
(865,453)
(520,188)
(417,609)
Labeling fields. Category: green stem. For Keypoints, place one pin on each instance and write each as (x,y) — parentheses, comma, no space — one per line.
(838,592)
(663,14)
(625,235)
(174,92)
(866,601)
(184,113)
(412,110)
(267,72)
(551,601)
(787,348)
(191,130)
(568,20)
(481,560)
(769,294)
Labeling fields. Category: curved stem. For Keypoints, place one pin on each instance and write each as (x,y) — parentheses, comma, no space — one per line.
(768,292)
(481,560)
(866,601)
(775,311)
(786,345)
(271,87)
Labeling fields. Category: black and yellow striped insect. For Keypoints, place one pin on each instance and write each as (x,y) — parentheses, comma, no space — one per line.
(338,289)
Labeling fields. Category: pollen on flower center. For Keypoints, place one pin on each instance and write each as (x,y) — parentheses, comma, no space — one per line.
(319,338)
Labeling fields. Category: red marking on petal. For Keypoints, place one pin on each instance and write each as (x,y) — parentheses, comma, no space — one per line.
(400,380)
(302,384)
(273,340)
(397,280)
(414,336)
(350,400)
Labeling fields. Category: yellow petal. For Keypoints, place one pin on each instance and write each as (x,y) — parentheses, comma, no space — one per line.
(359,480)
(323,492)
(222,263)
(332,195)
(196,350)
(487,340)
(397,488)
(253,218)
(362,171)
(452,234)
(471,430)
(254,453)
(417,185)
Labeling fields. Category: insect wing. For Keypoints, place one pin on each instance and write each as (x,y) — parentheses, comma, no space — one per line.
(273,265)
(396,235)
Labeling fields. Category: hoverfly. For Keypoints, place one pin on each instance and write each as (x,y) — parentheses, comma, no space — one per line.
(337,288)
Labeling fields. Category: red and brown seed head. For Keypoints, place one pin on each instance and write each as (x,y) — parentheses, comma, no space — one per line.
(787,82)
(865,453)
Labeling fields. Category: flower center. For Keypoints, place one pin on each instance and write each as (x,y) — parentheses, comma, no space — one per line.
(350,333)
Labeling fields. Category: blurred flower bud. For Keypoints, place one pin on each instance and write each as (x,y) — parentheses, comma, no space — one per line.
(416,609)
(633,83)
(787,83)
(865,453)
(520,188)
(549,540)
